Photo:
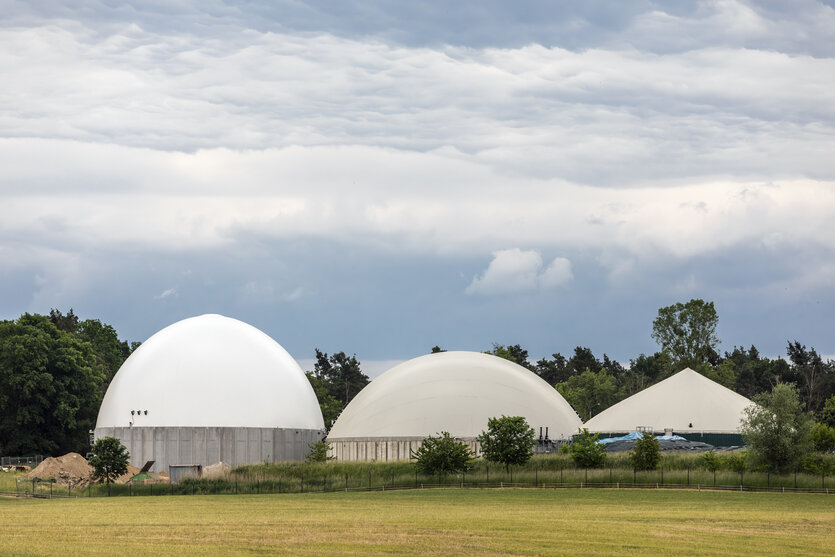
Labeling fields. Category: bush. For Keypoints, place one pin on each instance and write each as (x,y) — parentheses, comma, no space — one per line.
(819,464)
(318,451)
(508,440)
(645,454)
(586,451)
(442,455)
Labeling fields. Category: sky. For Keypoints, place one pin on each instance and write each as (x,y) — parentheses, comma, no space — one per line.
(381,177)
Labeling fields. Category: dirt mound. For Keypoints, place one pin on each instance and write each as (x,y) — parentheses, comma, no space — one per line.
(71,469)
(216,471)
(125,478)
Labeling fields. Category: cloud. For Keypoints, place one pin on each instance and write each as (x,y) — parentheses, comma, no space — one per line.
(515,270)
(166,294)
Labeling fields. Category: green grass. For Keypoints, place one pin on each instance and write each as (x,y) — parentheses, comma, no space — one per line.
(453,521)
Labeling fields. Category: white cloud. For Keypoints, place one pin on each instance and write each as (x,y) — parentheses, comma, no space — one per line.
(515,270)
(166,294)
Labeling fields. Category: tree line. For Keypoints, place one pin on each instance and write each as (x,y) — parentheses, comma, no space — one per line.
(55,369)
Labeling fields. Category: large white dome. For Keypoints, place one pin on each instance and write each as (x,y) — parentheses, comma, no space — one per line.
(210,371)
(455,392)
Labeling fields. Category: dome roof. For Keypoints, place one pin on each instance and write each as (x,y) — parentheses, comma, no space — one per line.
(455,392)
(210,371)
(686,401)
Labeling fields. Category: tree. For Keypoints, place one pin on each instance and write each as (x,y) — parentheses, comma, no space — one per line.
(827,413)
(318,451)
(514,353)
(823,438)
(437,349)
(816,376)
(508,440)
(328,404)
(688,332)
(586,450)
(109,460)
(442,455)
(341,374)
(777,429)
(645,455)
(51,387)
(590,392)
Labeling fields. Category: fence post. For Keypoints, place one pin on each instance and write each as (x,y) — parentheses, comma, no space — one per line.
(688,476)
(369,479)
(634,476)
(662,475)
(610,476)
(714,477)
(488,473)
(795,478)
(511,474)
(537,475)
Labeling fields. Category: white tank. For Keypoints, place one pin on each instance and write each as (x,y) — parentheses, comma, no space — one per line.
(455,392)
(210,371)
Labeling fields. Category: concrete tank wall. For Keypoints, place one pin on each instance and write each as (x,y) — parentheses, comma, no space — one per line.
(235,446)
(377,449)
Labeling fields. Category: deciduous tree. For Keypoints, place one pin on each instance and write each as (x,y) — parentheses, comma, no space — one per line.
(688,332)
(508,440)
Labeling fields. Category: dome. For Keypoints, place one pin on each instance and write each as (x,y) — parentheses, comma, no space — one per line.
(686,401)
(455,392)
(210,371)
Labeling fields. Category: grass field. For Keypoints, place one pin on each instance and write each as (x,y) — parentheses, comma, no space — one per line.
(449,521)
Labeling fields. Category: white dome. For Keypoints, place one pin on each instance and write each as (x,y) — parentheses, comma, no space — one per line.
(686,401)
(455,392)
(210,371)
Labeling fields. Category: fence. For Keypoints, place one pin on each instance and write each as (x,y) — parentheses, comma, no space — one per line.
(485,477)
(30,461)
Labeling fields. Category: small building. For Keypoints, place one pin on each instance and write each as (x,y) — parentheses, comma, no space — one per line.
(456,392)
(687,404)
(210,389)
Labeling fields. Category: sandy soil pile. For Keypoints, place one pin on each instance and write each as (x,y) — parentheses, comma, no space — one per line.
(125,478)
(216,471)
(71,469)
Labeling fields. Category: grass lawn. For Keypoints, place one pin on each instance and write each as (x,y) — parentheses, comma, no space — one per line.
(471,521)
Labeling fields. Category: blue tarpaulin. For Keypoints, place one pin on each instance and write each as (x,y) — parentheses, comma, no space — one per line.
(637,435)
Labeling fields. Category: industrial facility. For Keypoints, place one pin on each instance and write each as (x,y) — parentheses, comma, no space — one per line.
(209,389)
(455,392)
(687,404)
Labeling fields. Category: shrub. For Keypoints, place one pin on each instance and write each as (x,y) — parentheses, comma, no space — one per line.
(442,455)
(318,452)
(586,451)
(645,454)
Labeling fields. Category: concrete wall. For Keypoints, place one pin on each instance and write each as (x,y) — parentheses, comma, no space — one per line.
(207,445)
(378,449)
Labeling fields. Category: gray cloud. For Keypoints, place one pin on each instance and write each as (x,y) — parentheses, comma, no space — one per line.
(665,150)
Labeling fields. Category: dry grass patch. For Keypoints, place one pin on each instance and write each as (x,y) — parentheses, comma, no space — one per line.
(461,522)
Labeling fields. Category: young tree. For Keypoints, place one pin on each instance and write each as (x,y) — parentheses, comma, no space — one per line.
(687,332)
(318,451)
(508,440)
(586,450)
(109,460)
(777,429)
(442,455)
(645,455)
